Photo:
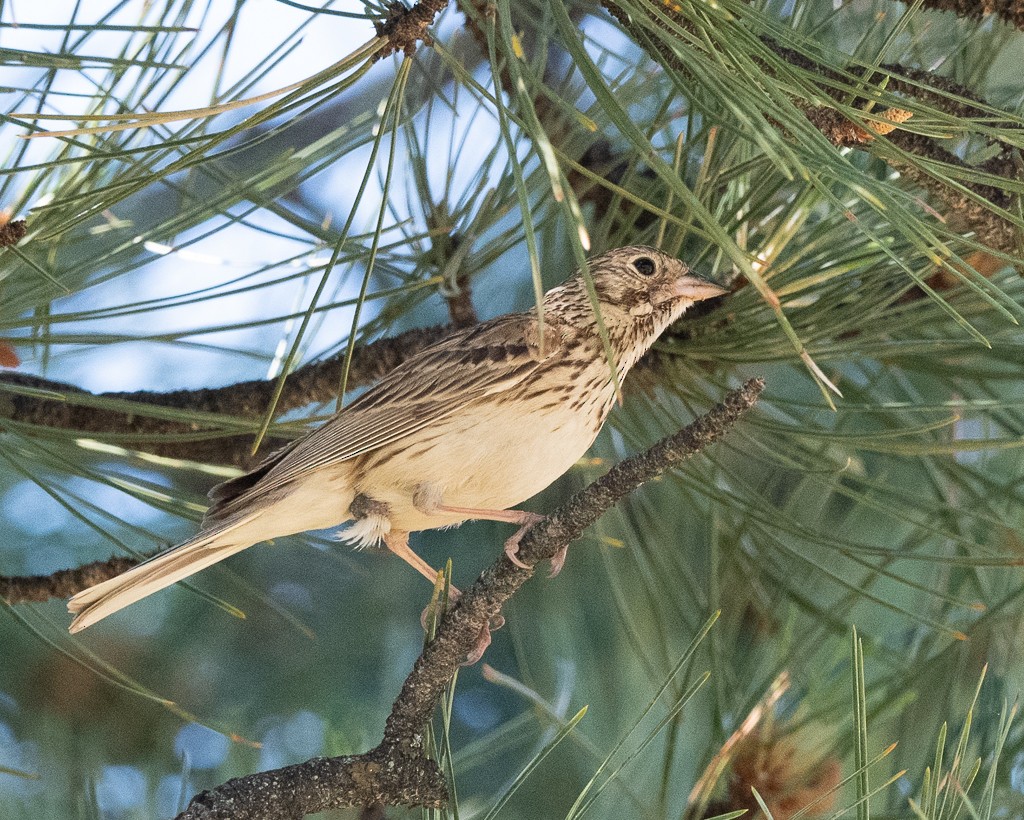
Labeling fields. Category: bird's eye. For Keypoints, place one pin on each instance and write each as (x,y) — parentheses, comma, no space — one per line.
(644,266)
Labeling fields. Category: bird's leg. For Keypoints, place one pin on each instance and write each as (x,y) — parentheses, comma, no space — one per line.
(397,542)
(524,519)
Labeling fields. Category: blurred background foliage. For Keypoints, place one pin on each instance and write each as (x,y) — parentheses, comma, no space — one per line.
(368,196)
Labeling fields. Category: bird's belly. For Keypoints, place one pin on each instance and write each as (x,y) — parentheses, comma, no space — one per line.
(484,458)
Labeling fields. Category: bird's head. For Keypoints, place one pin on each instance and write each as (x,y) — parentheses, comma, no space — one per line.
(642,281)
(641,291)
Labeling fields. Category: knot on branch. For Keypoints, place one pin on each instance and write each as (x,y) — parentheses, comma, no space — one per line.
(405,27)
(11,233)
(844,133)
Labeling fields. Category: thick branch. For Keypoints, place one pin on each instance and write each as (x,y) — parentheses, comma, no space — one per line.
(382,776)
(396,772)
(314,383)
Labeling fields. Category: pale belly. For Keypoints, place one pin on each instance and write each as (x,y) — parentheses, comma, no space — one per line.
(486,458)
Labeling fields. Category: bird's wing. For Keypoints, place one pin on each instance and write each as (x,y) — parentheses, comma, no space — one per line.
(436,383)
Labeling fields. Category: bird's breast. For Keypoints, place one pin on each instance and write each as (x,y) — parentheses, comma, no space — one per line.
(492,454)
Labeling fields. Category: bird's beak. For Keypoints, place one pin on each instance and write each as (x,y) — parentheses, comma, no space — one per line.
(692,287)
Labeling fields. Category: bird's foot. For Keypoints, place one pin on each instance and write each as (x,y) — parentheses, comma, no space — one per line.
(527,520)
(558,561)
(433,612)
(524,519)
(483,640)
(431,618)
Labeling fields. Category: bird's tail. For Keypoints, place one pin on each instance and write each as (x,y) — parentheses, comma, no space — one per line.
(97,602)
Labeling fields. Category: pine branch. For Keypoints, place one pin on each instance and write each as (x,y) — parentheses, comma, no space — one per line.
(11,233)
(841,131)
(1009,11)
(404,27)
(397,772)
(23,589)
(313,383)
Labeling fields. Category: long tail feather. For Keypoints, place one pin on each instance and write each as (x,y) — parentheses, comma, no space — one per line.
(97,602)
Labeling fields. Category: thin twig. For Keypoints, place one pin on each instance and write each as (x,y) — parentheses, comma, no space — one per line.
(397,772)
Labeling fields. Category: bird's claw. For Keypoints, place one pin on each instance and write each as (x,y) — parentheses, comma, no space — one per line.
(526,521)
(558,561)
(512,553)
(483,640)
(434,606)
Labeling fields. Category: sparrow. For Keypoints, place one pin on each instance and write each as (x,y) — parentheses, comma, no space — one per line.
(464,429)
